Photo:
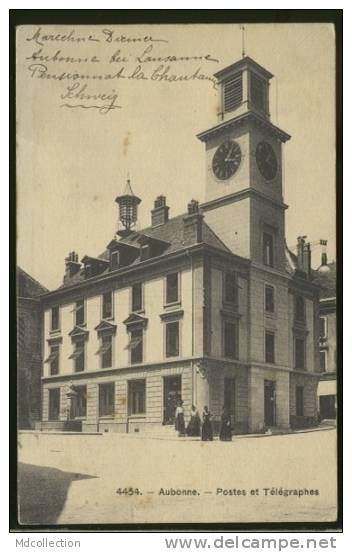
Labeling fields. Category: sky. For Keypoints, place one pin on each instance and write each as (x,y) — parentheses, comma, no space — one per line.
(72,162)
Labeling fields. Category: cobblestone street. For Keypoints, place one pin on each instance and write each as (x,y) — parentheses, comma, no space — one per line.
(67,479)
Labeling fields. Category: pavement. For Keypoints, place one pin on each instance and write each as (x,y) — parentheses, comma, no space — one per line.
(113,478)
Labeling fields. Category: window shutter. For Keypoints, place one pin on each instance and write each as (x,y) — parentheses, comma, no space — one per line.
(257,92)
(233,92)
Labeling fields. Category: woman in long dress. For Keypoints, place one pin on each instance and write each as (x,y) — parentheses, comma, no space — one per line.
(207,430)
(193,428)
(179,419)
(225,428)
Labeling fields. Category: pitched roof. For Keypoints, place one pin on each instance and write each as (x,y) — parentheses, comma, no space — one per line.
(170,233)
(291,261)
(28,286)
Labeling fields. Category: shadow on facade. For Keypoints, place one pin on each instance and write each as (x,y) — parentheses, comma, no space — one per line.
(42,492)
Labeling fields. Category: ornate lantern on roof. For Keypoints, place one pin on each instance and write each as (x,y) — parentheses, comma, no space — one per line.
(128,209)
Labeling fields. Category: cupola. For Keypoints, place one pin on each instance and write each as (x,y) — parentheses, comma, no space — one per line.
(128,210)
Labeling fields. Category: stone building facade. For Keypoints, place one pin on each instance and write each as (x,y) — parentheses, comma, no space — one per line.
(209,307)
(327,393)
(29,349)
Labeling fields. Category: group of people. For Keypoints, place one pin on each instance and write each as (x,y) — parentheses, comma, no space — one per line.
(203,428)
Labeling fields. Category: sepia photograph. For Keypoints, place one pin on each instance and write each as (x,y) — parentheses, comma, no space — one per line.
(177,344)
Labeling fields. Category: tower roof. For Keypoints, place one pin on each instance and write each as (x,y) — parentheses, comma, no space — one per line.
(128,193)
(128,188)
(241,64)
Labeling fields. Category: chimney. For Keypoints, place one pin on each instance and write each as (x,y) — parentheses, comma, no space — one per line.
(72,266)
(307,259)
(324,259)
(160,213)
(193,223)
(301,240)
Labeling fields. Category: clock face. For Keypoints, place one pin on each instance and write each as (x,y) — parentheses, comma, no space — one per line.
(226,160)
(266,160)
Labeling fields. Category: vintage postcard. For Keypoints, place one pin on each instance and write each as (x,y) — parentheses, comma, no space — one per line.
(176,279)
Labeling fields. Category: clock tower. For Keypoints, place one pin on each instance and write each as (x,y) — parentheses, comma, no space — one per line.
(244,203)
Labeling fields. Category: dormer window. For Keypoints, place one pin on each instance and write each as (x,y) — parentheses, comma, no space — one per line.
(145,252)
(93,266)
(88,272)
(232,92)
(115,260)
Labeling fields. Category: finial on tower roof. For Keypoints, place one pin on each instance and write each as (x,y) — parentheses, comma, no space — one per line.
(128,187)
(243,30)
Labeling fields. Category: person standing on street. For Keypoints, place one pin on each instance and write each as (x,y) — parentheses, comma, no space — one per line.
(207,429)
(225,428)
(180,419)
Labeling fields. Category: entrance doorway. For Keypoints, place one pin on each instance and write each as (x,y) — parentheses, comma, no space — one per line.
(230,398)
(269,403)
(172,394)
(327,407)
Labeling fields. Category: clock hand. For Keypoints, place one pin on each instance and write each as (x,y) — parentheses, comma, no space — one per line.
(227,158)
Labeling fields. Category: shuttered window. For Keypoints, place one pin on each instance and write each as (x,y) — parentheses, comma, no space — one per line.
(233,92)
(257,92)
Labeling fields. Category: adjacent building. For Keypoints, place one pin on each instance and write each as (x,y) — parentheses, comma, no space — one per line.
(326,277)
(208,307)
(29,350)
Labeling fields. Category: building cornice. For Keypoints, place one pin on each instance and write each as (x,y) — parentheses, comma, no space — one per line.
(123,369)
(328,376)
(91,283)
(240,119)
(238,196)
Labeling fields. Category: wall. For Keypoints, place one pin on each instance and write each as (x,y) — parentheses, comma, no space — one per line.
(331,341)
(29,362)
(310,328)
(217,318)
(256,377)
(261,321)
(267,216)
(216,382)
(230,222)
(310,384)
(153,346)
(121,421)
